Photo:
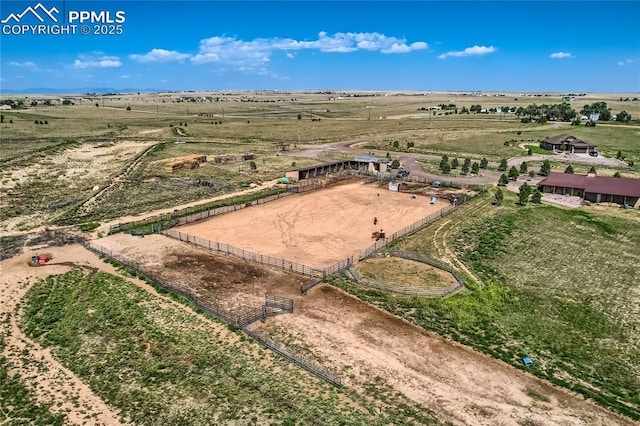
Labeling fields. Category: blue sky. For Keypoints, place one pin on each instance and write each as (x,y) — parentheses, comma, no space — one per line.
(299,45)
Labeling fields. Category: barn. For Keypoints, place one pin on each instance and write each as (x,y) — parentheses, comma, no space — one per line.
(596,189)
(361,164)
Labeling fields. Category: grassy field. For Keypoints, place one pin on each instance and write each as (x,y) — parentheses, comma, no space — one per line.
(17,404)
(404,272)
(161,364)
(558,285)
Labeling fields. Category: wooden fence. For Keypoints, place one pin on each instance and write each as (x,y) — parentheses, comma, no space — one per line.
(250,256)
(315,369)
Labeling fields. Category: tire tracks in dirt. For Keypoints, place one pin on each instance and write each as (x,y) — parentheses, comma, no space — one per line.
(117,181)
(40,372)
(440,237)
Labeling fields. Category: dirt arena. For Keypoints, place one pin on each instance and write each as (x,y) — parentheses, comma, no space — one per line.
(317,228)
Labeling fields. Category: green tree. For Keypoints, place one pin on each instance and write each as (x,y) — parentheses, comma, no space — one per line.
(523,167)
(504,180)
(465,166)
(128,108)
(592,170)
(597,108)
(536,197)
(454,163)
(619,155)
(446,169)
(444,162)
(484,163)
(617,175)
(624,116)
(410,144)
(252,165)
(1,118)
(395,164)
(523,194)
(503,165)
(545,169)
(529,152)
(498,197)
(513,173)
(475,167)
(569,169)
(299,116)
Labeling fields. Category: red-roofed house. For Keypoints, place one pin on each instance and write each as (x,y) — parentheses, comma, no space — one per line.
(597,189)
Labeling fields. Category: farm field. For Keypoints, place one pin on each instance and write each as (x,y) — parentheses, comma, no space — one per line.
(317,228)
(263,123)
(558,285)
(377,354)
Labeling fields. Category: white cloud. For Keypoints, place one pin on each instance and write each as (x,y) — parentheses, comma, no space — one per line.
(561,55)
(160,55)
(255,54)
(85,61)
(469,51)
(125,77)
(627,61)
(27,64)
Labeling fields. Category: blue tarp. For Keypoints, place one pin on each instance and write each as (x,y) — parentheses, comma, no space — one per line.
(527,361)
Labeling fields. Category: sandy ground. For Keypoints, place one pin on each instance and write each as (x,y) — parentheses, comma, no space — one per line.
(459,384)
(317,228)
(40,372)
(361,341)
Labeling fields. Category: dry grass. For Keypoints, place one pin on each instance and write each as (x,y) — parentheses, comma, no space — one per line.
(404,272)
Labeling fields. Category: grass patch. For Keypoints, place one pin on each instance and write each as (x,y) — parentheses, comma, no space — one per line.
(405,272)
(159,364)
(17,404)
(537,395)
(535,149)
(88,226)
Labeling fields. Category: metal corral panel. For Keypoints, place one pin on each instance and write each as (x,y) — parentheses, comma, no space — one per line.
(393,186)
(367,159)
